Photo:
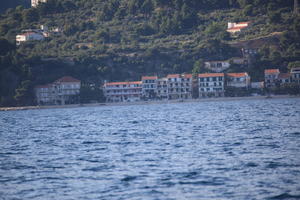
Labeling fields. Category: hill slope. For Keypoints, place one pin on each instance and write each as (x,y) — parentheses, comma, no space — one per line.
(124,39)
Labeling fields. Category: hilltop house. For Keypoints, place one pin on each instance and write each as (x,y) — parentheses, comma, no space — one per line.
(123,91)
(149,86)
(237,27)
(35,3)
(62,91)
(211,85)
(180,86)
(27,36)
(217,66)
(238,80)
(271,77)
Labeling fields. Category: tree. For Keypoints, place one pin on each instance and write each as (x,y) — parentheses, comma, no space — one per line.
(30,15)
(5,46)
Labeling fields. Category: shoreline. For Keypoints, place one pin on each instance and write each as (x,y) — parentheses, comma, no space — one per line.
(147,102)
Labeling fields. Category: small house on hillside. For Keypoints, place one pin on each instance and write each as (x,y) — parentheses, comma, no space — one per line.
(217,66)
(236,27)
(24,37)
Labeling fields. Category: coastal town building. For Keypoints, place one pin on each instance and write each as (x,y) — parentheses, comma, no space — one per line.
(271,77)
(217,66)
(179,86)
(284,78)
(211,85)
(123,91)
(35,3)
(162,88)
(295,75)
(238,80)
(149,87)
(65,90)
(237,27)
(28,36)
(257,85)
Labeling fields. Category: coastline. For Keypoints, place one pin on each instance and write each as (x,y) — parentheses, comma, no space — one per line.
(147,102)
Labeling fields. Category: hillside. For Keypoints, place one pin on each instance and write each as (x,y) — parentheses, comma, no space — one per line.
(124,39)
(4,5)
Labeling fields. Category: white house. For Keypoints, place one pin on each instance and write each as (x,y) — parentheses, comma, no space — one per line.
(123,91)
(162,88)
(237,27)
(211,85)
(35,3)
(238,80)
(24,37)
(295,72)
(217,66)
(271,77)
(62,91)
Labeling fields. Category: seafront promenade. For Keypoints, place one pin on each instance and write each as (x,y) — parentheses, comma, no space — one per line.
(148,102)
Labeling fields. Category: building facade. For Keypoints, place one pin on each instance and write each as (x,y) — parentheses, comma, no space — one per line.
(211,85)
(63,91)
(180,86)
(162,88)
(295,75)
(149,87)
(217,66)
(236,27)
(123,91)
(271,77)
(238,80)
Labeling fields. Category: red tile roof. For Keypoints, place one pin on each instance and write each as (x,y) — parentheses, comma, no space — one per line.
(66,79)
(237,74)
(187,75)
(173,76)
(284,75)
(149,77)
(123,83)
(236,28)
(272,71)
(210,75)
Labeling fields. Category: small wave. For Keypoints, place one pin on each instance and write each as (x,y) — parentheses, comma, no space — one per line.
(251,164)
(128,178)
(285,196)
(204,183)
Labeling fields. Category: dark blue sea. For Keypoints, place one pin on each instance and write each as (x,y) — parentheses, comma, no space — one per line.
(237,150)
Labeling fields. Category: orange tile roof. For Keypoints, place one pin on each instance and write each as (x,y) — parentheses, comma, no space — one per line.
(66,79)
(236,28)
(149,77)
(187,75)
(237,74)
(210,75)
(173,76)
(284,75)
(272,71)
(123,83)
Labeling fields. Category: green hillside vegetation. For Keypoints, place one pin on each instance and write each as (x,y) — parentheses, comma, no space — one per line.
(123,39)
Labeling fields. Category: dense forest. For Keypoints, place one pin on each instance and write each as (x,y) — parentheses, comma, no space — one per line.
(124,39)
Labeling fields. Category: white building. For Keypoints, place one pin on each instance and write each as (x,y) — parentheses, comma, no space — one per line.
(271,77)
(211,85)
(162,88)
(24,37)
(149,87)
(35,3)
(65,90)
(217,66)
(257,85)
(238,80)
(295,72)
(237,27)
(123,91)
(180,86)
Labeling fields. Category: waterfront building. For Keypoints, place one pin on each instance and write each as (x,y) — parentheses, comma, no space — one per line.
(35,3)
(211,85)
(295,73)
(238,80)
(162,88)
(257,85)
(123,91)
(284,78)
(271,77)
(217,66)
(180,86)
(149,87)
(65,90)
(27,36)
